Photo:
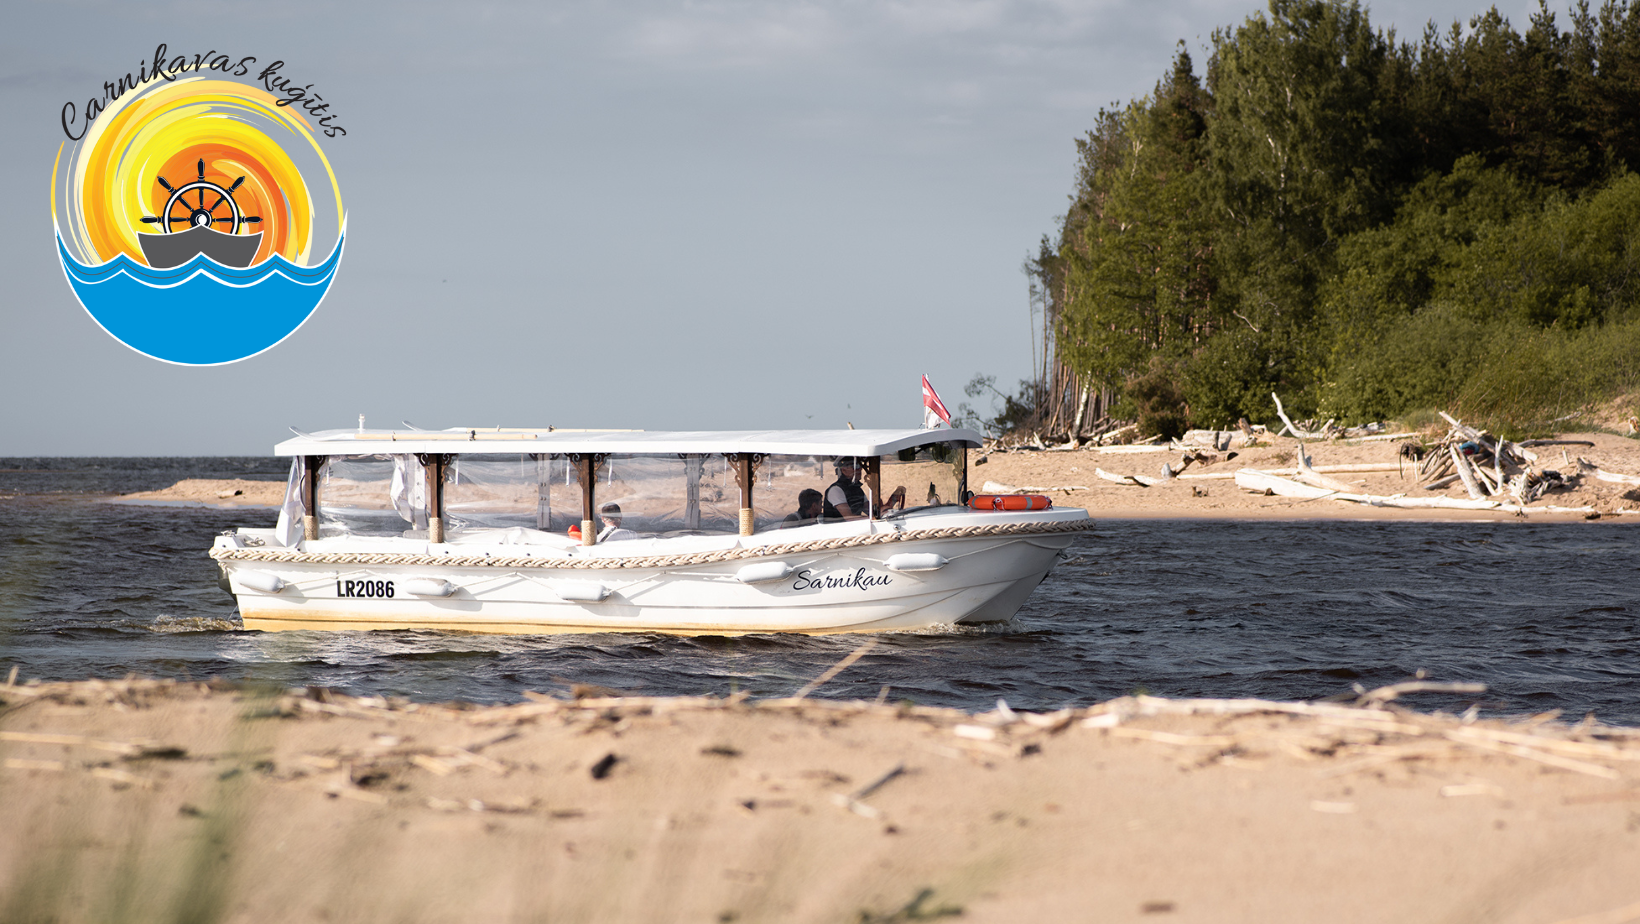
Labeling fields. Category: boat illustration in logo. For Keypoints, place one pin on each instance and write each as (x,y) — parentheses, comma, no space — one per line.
(198,221)
(173,248)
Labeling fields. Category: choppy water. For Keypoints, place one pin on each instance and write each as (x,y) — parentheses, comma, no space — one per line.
(1548,615)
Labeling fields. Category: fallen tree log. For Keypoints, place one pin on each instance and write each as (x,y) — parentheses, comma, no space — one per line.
(1556,443)
(1308,475)
(1466,474)
(1585,467)
(997,487)
(1143,481)
(1380,437)
(1255,480)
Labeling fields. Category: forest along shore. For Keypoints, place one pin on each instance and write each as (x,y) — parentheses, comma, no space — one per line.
(1207,486)
(157,800)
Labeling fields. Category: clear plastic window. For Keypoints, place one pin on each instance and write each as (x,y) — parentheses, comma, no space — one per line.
(657,495)
(356,496)
(932,475)
(667,495)
(503,491)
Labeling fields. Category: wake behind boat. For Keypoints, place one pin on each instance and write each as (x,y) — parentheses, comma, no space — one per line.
(719,532)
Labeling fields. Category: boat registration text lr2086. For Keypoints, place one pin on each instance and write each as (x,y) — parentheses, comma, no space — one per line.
(375,589)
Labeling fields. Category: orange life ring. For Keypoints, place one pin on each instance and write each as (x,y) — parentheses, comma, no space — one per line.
(1010,502)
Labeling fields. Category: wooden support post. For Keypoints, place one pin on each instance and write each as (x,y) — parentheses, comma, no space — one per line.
(874,485)
(433,465)
(310,495)
(543,490)
(586,469)
(744,463)
(692,466)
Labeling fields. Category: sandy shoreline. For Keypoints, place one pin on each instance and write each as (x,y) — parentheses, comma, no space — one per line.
(215,492)
(143,800)
(1219,497)
(1071,476)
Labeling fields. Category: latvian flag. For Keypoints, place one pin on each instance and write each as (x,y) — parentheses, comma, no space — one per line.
(934,413)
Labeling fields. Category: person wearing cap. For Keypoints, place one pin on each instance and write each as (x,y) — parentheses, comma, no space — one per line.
(846,499)
(610,514)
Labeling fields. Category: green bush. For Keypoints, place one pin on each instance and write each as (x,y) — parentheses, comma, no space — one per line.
(1421,362)
(1509,376)
(1530,378)
(1157,401)
(1230,378)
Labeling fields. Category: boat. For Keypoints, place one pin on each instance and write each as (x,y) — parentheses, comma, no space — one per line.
(163,251)
(691,533)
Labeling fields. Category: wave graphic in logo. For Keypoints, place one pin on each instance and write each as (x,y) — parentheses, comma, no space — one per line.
(200,313)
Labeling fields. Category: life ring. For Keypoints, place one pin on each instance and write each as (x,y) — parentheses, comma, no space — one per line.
(1010,502)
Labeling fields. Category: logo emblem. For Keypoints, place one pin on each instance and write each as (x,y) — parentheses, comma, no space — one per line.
(198,220)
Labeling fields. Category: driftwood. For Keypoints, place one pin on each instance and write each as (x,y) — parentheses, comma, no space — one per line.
(1487,465)
(1292,428)
(1308,475)
(1466,473)
(1584,466)
(1360,467)
(1266,482)
(1556,443)
(1169,472)
(1129,450)
(1224,440)
(1378,437)
(1143,481)
(997,487)
(1247,431)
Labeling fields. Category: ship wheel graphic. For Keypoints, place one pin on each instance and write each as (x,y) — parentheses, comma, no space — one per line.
(179,211)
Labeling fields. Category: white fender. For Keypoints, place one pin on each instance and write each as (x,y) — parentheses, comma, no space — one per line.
(581,591)
(916,561)
(762,572)
(429,587)
(259,581)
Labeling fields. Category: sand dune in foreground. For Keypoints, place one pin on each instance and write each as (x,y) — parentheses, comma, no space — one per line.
(140,800)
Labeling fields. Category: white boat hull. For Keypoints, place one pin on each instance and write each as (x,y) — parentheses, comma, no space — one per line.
(983,574)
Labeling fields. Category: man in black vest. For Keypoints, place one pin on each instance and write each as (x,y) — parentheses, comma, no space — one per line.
(846,499)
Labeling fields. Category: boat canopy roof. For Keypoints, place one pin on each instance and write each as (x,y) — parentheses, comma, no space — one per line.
(556,442)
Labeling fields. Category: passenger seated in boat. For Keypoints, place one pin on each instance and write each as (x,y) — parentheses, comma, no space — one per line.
(811,506)
(846,499)
(610,514)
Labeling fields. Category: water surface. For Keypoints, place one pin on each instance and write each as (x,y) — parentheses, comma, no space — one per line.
(1546,614)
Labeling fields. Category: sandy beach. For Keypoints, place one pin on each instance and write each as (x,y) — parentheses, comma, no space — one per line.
(162,801)
(1218,496)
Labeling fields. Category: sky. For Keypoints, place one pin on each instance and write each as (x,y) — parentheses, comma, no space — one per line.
(699,215)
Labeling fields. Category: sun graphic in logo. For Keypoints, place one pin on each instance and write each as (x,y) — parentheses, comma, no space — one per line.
(186,222)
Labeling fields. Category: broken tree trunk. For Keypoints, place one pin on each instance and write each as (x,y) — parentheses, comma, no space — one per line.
(1308,475)
(1465,473)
